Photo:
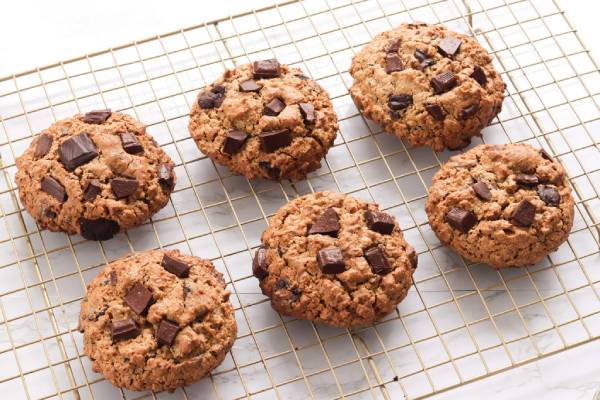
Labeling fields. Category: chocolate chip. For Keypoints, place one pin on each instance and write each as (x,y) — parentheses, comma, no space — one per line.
(327,224)
(212,98)
(443,82)
(42,146)
(377,260)
(273,172)
(273,140)
(549,195)
(449,46)
(131,144)
(165,176)
(393,47)
(331,260)
(296,294)
(412,258)
(97,229)
(527,180)
(249,86)
(138,298)
(479,75)
(124,329)
(424,59)
(260,266)
(92,190)
(96,116)
(281,284)
(468,111)
(462,220)
(113,278)
(435,111)
(123,187)
(274,107)
(400,101)
(482,191)
(308,112)
(49,213)
(393,63)
(381,222)
(175,266)
(546,155)
(166,332)
(301,76)
(234,142)
(54,189)
(266,69)
(524,213)
(77,151)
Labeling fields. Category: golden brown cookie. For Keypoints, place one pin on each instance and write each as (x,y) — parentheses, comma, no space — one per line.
(157,320)
(428,85)
(332,258)
(94,175)
(504,205)
(264,120)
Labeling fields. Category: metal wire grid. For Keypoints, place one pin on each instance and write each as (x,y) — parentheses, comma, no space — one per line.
(460,322)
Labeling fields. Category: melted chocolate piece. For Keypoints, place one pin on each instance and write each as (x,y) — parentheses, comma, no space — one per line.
(393,63)
(54,189)
(308,112)
(443,82)
(393,47)
(274,107)
(400,101)
(468,111)
(166,332)
(123,187)
(527,180)
(449,46)
(435,111)
(175,266)
(98,229)
(266,69)
(260,266)
(549,195)
(124,329)
(273,172)
(138,298)
(77,151)
(212,98)
(234,141)
(331,260)
(92,190)
(479,75)
(327,224)
(377,260)
(249,86)
(96,116)
(482,191)
(524,214)
(381,222)
(42,146)
(273,140)
(165,176)
(461,220)
(131,144)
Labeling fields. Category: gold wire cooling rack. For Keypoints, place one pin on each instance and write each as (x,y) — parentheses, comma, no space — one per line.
(461,322)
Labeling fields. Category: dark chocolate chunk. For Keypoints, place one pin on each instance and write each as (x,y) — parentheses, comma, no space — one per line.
(400,101)
(281,284)
(377,260)
(482,191)
(175,266)
(113,278)
(381,222)
(449,46)
(131,144)
(123,187)
(468,111)
(524,213)
(327,224)
(393,63)
(435,111)
(331,260)
(165,176)
(274,107)
(308,112)
(124,329)
(212,98)
(393,47)
(54,188)
(260,266)
(273,140)
(49,213)
(234,142)
(138,298)
(42,146)
(249,86)
(462,220)
(296,294)
(412,258)
(479,75)
(272,171)
(77,151)
(549,195)
(266,69)
(166,332)
(443,82)
(527,180)
(424,59)
(96,116)
(92,190)
(97,229)
(546,155)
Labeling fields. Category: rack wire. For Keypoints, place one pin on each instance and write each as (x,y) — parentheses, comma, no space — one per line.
(460,322)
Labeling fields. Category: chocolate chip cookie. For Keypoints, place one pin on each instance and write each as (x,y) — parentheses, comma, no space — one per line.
(427,85)
(94,174)
(503,205)
(157,320)
(264,120)
(332,258)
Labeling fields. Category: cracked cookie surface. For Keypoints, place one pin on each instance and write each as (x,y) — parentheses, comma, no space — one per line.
(264,120)
(427,85)
(157,320)
(332,258)
(94,174)
(503,205)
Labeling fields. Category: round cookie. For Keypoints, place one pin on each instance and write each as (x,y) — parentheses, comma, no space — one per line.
(264,120)
(332,258)
(157,320)
(94,174)
(427,85)
(503,205)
